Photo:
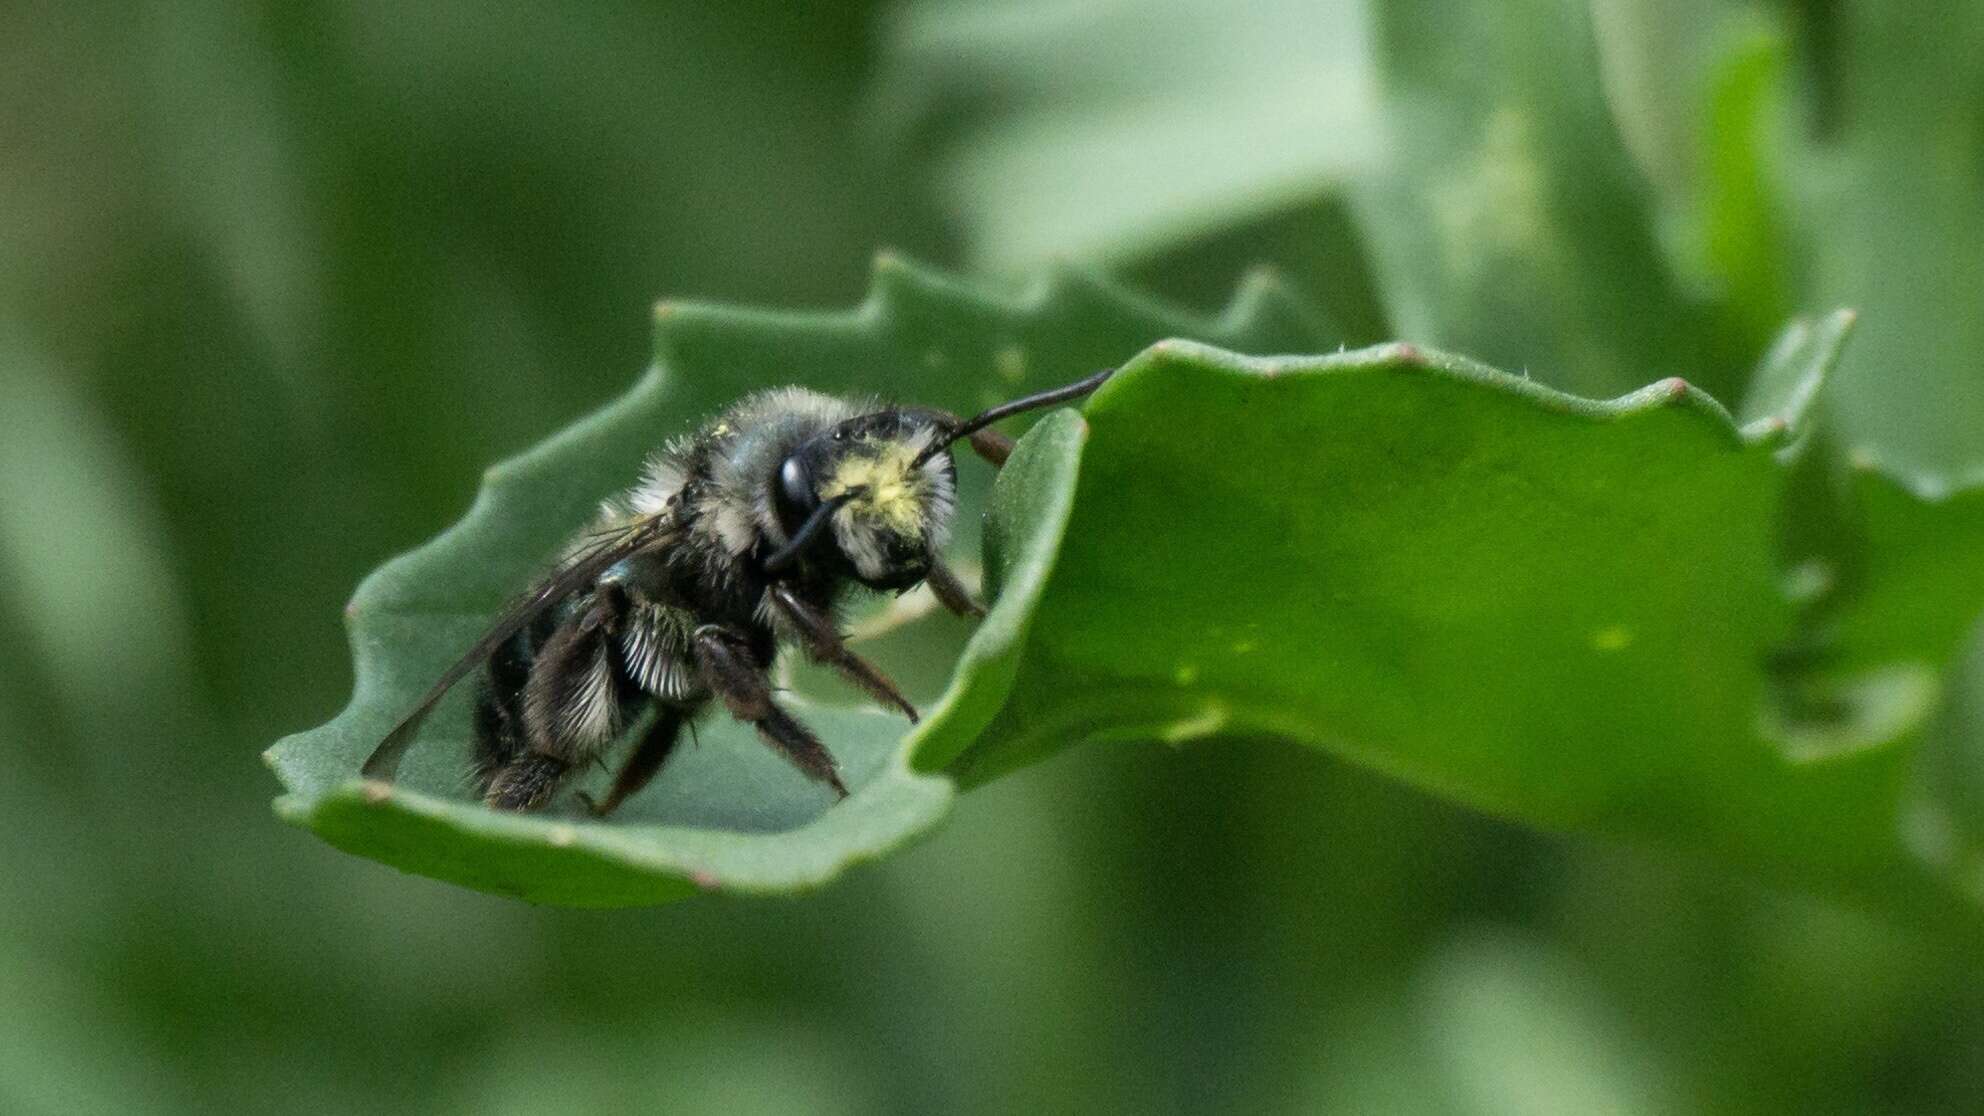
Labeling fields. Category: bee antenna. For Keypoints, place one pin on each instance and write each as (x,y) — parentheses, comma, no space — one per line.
(815,523)
(984,419)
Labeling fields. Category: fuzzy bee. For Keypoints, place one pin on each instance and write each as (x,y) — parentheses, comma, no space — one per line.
(740,537)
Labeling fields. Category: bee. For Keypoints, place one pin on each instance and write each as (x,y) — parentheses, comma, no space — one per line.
(739,538)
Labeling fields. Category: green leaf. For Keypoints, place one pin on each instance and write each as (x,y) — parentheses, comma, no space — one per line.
(1697,89)
(1508,220)
(1787,382)
(1598,192)
(1479,146)
(1191,120)
(1554,609)
(1492,1023)
(1741,233)
(1897,590)
(727,814)
(1653,56)
(1945,819)
(1921,546)
(1516,1027)
(1882,560)
(1898,122)
(1884,563)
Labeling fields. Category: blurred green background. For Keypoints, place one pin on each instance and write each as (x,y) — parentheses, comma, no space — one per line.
(277,281)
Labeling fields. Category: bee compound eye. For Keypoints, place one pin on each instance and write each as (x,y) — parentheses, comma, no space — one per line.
(794,495)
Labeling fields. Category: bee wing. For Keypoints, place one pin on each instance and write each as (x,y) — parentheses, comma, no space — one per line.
(601,550)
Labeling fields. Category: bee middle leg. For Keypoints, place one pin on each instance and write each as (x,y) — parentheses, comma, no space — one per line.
(825,644)
(724,660)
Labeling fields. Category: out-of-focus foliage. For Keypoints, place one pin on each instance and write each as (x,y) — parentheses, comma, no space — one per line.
(1187,117)
(278,281)
(1596,190)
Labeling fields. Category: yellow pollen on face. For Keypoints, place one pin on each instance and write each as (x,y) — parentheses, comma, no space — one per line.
(889,484)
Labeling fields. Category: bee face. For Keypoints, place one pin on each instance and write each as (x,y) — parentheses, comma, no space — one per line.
(893,514)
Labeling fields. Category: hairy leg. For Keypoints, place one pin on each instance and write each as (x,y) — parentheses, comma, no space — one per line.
(951,592)
(816,632)
(568,708)
(525,783)
(723,658)
(648,756)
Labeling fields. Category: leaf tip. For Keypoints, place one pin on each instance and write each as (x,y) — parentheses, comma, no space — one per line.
(291,809)
(1769,431)
(1260,278)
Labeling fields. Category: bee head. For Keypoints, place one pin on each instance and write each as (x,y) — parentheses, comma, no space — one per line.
(857,497)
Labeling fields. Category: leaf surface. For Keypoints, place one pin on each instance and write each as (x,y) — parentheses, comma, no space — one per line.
(1555,609)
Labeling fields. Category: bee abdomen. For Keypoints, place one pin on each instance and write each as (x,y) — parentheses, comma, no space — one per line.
(499,719)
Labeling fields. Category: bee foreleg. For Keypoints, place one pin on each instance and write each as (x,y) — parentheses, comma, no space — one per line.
(730,673)
(951,592)
(825,644)
(649,755)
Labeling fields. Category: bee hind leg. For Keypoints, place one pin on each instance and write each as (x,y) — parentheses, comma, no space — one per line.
(570,705)
(646,760)
(727,668)
(526,783)
(508,775)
